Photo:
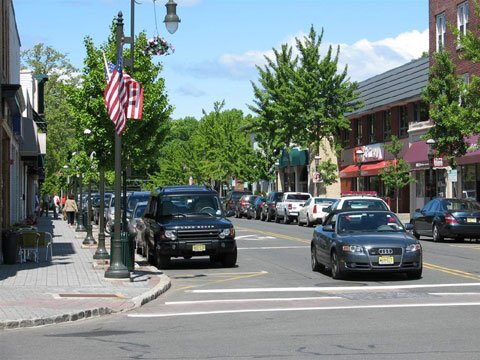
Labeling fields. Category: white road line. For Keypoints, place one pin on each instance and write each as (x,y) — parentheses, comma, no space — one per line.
(316,308)
(254,238)
(334,288)
(454,294)
(273,247)
(250,300)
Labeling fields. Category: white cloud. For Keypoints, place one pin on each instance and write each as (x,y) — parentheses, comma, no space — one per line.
(364,58)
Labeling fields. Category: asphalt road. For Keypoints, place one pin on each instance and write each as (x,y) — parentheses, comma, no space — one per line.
(272,306)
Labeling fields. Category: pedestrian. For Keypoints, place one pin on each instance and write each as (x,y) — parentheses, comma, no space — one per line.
(56,206)
(37,205)
(70,209)
(46,204)
(62,201)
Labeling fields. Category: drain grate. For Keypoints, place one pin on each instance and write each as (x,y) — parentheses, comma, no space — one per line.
(90,296)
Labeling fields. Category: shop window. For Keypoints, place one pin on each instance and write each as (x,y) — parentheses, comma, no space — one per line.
(469,181)
(441,186)
(420,181)
(403,121)
(387,125)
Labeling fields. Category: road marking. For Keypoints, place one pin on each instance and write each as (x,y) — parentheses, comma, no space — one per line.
(451,271)
(468,246)
(281,236)
(239,277)
(316,308)
(250,300)
(454,294)
(219,274)
(256,237)
(273,247)
(334,288)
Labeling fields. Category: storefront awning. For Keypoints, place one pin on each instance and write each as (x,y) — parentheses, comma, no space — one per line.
(29,141)
(297,158)
(417,157)
(370,169)
(473,153)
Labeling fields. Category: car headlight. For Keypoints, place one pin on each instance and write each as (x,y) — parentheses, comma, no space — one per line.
(413,247)
(227,232)
(352,248)
(169,234)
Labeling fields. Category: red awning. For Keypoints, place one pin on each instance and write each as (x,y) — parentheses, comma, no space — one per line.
(417,156)
(369,169)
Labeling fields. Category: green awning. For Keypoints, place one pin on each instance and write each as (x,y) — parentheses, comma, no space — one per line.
(297,158)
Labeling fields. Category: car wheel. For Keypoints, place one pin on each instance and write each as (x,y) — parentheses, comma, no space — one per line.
(316,266)
(249,217)
(150,257)
(163,261)
(229,259)
(417,235)
(277,219)
(337,271)
(414,275)
(286,220)
(309,223)
(436,234)
(262,216)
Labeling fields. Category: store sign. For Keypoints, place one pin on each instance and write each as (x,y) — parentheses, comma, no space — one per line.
(437,162)
(372,152)
(316,177)
(452,175)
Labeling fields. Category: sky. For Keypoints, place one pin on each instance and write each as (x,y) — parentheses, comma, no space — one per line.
(219,43)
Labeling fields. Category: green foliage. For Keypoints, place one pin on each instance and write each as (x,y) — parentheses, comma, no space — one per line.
(328,172)
(446,93)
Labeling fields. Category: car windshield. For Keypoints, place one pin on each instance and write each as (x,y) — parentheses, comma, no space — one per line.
(368,222)
(299,197)
(364,204)
(190,204)
(139,210)
(134,199)
(459,205)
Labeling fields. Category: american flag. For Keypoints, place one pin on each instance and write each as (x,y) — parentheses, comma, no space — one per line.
(123,95)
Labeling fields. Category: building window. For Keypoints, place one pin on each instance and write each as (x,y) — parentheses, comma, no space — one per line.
(387,124)
(371,128)
(345,138)
(359,132)
(462,18)
(441,28)
(420,112)
(403,121)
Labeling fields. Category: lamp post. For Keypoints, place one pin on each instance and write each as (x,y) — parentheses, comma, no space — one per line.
(117,268)
(316,175)
(359,158)
(80,227)
(89,239)
(101,253)
(430,143)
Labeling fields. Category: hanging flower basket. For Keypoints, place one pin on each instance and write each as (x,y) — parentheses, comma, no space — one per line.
(158,46)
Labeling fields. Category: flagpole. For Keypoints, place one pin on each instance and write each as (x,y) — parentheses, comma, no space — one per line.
(117,268)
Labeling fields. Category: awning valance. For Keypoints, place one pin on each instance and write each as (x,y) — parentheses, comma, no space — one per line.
(297,158)
(370,169)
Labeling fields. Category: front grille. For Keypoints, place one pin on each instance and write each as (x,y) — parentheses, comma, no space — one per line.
(197,234)
(376,251)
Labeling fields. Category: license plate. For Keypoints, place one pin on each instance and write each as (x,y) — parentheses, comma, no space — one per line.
(385,260)
(471,220)
(198,247)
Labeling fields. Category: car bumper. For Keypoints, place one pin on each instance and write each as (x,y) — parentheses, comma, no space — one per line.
(410,261)
(460,230)
(196,248)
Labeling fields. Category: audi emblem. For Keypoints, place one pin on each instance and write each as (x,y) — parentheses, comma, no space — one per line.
(385,251)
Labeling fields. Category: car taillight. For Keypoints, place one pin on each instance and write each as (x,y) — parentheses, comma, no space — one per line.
(450,219)
(314,209)
(272,205)
(289,206)
(244,204)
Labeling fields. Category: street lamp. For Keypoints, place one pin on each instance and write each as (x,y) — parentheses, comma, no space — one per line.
(316,175)
(430,143)
(89,239)
(359,159)
(171,19)
(80,227)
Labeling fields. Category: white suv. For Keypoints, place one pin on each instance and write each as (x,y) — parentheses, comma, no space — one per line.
(357,203)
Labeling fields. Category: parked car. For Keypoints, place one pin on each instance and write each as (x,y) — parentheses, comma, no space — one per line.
(288,208)
(255,210)
(241,209)
(231,200)
(365,241)
(187,221)
(313,211)
(270,207)
(358,202)
(96,207)
(447,218)
(133,198)
(137,226)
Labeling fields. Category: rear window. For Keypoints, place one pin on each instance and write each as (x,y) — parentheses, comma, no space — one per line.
(324,201)
(299,197)
(364,204)
(277,196)
(458,205)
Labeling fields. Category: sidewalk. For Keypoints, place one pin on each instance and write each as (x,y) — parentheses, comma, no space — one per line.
(69,287)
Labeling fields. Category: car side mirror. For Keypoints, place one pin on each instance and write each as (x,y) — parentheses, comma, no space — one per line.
(328,228)
(408,226)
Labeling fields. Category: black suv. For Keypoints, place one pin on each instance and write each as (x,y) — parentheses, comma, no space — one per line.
(270,208)
(187,221)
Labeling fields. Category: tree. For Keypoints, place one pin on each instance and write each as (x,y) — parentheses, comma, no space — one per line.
(445,92)
(396,174)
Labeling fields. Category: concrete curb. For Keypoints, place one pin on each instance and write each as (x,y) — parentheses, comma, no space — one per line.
(162,286)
